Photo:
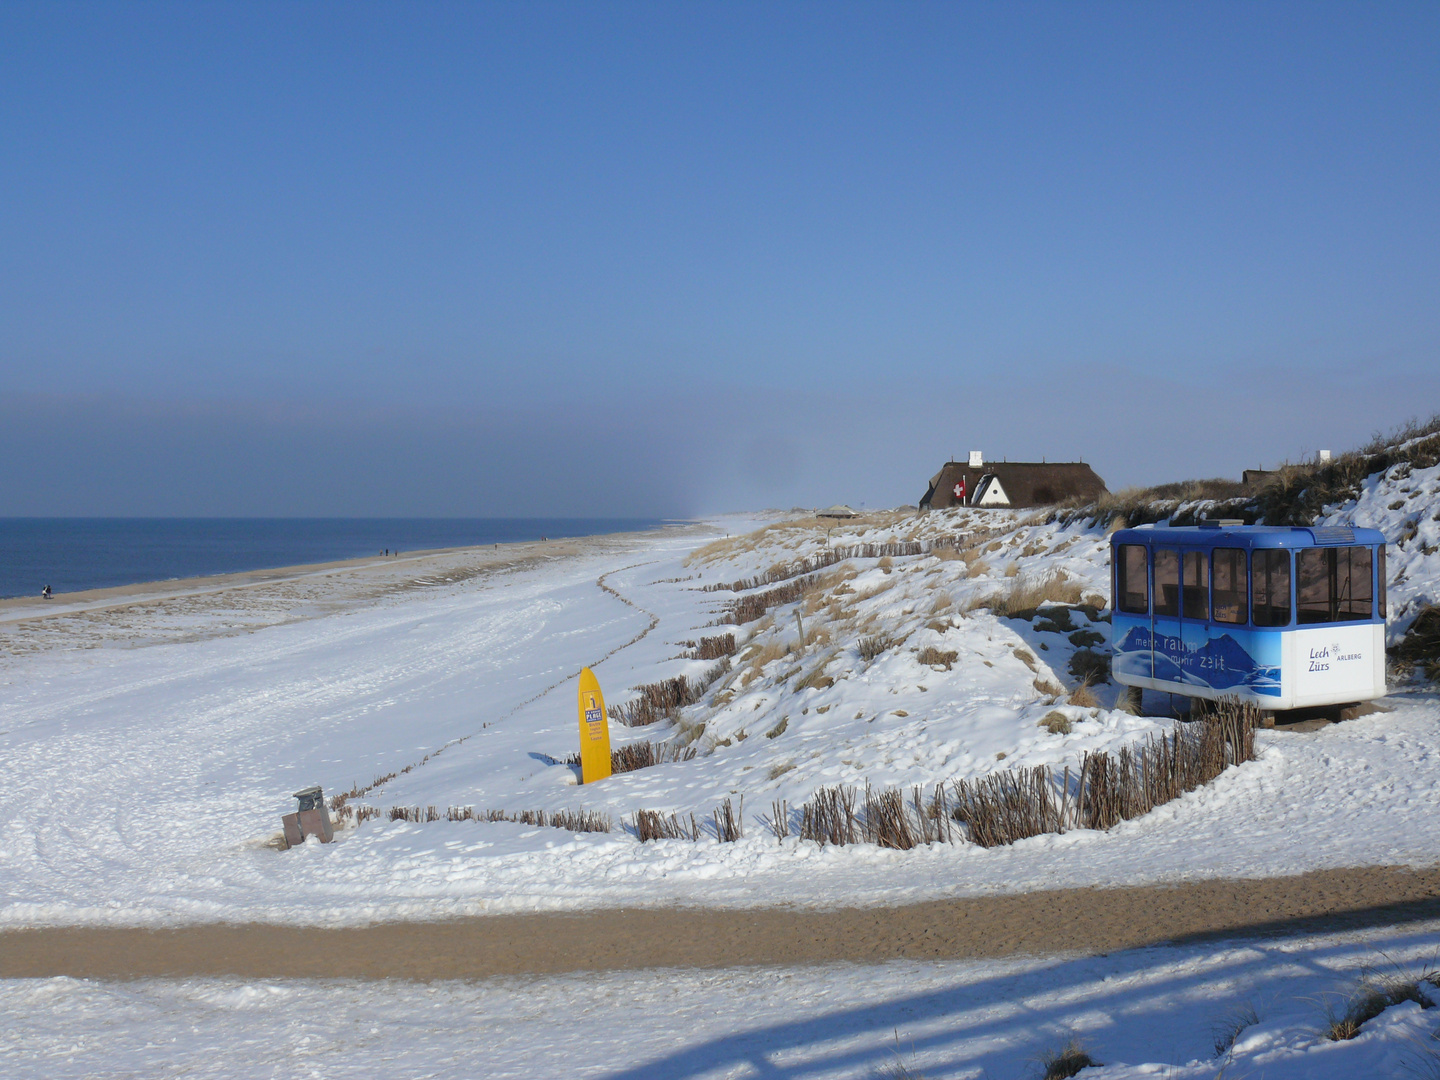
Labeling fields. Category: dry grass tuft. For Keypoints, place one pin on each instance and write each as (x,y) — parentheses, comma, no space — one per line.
(937,658)
(1066,1062)
(763,656)
(1228,1028)
(1056,722)
(1027,595)
(873,645)
(688,731)
(817,679)
(1376,993)
(1083,696)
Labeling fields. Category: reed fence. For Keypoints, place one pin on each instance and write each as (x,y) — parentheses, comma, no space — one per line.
(653,825)
(659,700)
(1011,805)
(784,572)
(713,648)
(573,820)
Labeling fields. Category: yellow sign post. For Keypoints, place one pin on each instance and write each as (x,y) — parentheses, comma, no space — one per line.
(594,730)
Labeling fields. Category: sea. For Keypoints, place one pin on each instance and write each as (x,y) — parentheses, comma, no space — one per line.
(73,554)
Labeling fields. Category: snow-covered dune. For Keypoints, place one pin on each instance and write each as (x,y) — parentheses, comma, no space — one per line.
(150,749)
(143,781)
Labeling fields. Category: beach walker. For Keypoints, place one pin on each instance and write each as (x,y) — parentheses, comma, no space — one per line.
(1284,618)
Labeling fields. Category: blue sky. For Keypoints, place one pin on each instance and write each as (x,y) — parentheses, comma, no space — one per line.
(491,259)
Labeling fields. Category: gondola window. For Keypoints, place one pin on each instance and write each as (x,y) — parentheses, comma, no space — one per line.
(1270,588)
(1167,582)
(1334,585)
(1229,585)
(1196,573)
(1132,592)
(1380,578)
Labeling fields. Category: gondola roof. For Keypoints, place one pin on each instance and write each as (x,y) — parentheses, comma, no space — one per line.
(1214,534)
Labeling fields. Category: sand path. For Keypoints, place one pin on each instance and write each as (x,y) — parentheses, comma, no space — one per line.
(1062,921)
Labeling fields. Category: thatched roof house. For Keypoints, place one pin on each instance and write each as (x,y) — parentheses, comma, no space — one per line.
(1010,483)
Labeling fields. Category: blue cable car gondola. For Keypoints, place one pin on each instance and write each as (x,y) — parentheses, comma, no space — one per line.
(1284,618)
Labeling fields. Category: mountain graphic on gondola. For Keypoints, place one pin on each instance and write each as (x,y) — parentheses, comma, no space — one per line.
(1221,663)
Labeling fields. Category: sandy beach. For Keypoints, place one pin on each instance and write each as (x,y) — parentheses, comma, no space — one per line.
(1048,922)
(188,609)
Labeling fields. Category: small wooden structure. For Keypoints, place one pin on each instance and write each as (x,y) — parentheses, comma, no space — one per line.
(839,510)
(311,819)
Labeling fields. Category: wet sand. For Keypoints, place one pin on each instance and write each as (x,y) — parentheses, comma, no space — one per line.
(1063,921)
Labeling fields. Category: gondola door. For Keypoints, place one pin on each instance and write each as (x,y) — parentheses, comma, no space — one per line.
(1194,653)
(1165,640)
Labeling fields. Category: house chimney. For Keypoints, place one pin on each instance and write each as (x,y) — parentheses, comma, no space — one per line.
(1324,455)
(977,459)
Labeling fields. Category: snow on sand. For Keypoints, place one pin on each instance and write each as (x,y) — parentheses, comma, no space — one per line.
(1162,1012)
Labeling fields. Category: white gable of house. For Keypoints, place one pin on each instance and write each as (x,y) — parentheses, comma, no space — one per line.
(991,493)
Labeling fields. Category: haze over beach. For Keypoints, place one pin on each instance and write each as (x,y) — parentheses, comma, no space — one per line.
(719,540)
